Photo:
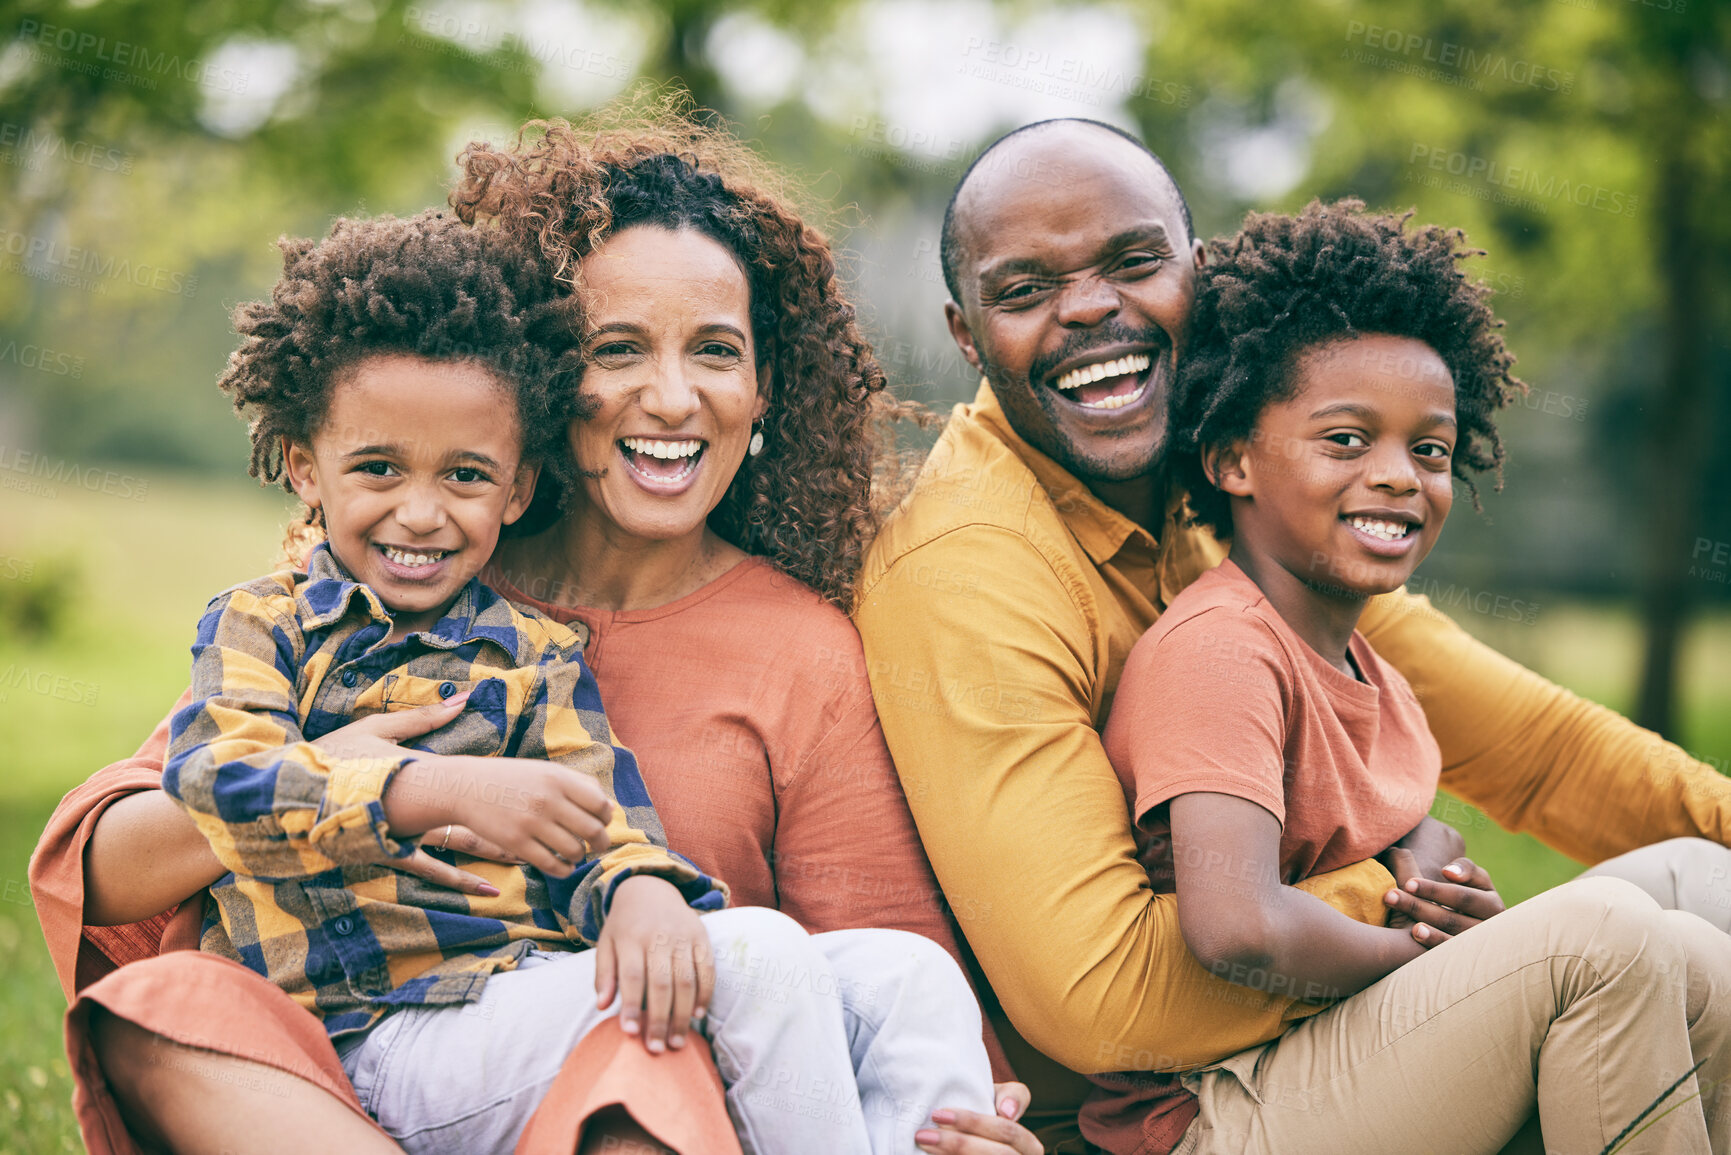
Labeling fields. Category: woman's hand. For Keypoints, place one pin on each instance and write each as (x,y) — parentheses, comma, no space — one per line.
(1437,911)
(380,735)
(968,1133)
(654,952)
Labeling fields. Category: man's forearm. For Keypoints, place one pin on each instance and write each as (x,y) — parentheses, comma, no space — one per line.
(143,856)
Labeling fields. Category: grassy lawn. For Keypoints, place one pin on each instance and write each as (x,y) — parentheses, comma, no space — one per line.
(144,569)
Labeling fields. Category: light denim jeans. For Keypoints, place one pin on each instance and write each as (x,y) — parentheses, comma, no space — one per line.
(841,1042)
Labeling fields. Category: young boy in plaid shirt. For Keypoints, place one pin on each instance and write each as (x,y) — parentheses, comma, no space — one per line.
(408,380)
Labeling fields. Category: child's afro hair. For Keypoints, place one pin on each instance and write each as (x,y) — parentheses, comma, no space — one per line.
(1286,284)
(427,285)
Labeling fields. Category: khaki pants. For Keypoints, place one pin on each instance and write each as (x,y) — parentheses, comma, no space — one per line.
(1584,1003)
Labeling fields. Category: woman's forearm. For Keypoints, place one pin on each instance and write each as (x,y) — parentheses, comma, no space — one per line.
(144,856)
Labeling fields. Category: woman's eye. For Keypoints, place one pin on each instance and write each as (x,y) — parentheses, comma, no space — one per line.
(613,349)
(719,349)
(465,475)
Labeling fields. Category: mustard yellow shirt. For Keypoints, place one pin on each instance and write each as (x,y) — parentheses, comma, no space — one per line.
(997,608)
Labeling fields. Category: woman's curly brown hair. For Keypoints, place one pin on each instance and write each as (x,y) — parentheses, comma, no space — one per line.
(1285,284)
(427,285)
(805,503)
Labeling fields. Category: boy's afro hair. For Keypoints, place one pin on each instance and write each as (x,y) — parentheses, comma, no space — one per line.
(1286,284)
(427,285)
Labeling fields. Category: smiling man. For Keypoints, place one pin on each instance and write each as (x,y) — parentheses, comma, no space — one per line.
(1071,260)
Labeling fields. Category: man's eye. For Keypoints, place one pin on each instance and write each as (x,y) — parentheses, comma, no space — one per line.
(1432,449)
(1020,292)
(1140,262)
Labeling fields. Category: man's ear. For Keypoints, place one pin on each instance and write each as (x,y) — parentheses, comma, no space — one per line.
(522,492)
(961,334)
(1198,253)
(1228,467)
(302,470)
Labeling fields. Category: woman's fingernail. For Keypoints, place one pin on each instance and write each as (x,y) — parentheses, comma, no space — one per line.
(676,1041)
(628,1025)
(943,1115)
(926,1138)
(656,1046)
(1007,1108)
(488,889)
(699,1013)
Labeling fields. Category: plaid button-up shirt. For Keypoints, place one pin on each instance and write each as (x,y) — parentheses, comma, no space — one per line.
(312,902)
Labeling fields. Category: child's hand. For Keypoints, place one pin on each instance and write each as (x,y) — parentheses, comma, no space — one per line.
(548,815)
(1437,911)
(654,952)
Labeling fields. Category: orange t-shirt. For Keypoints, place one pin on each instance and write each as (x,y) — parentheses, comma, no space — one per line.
(1220,695)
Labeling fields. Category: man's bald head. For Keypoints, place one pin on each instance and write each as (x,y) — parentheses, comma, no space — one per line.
(951,243)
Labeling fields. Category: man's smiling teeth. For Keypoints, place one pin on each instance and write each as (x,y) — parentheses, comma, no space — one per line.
(413,560)
(1100,370)
(1376,527)
(666,450)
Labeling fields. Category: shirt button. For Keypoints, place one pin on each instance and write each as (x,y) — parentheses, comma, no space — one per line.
(446,689)
(344,925)
(350,677)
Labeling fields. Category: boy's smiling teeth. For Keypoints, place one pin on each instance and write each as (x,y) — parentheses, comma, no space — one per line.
(1377,527)
(666,450)
(413,560)
(1099,371)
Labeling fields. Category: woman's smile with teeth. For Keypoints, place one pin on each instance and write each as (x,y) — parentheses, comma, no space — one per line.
(1377,527)
(666,450)
(413,560)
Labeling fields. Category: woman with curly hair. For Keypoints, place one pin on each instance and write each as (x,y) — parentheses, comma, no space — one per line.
(1342,375)
(705,543)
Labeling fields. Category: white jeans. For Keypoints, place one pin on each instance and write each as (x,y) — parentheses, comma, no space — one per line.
(841,1042)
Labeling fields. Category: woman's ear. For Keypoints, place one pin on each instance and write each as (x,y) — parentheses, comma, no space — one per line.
(765,380)
(1228,467)
(302,469)
(522,492)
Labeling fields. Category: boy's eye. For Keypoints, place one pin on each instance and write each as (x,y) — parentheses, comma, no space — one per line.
(374,468)
(1432,449)
(467,475)
(1349,439)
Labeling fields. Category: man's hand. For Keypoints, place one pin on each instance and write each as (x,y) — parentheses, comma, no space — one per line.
(654,952)
(1437,911)
(1431,845)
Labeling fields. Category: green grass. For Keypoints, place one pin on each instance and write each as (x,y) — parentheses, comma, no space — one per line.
(146,569)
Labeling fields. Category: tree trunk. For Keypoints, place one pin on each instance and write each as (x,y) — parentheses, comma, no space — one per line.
(1679,434)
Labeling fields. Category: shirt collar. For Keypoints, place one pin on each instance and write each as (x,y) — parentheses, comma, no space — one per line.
(478,614)
(1101,530)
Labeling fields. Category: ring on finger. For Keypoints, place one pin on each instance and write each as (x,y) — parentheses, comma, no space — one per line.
(446,841)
